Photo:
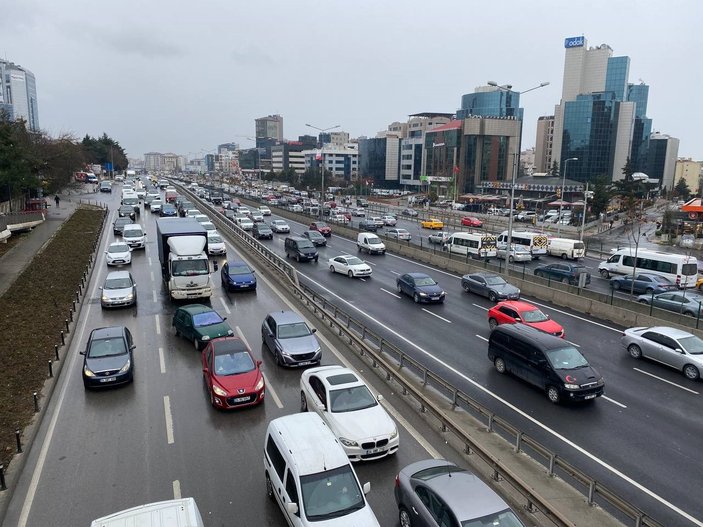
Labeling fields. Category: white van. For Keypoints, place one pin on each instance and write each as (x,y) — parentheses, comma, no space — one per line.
(310,476)
(566,248)
(474,244)
(536,242)
(181,512)
(680,269)
(371,243)
(133,234)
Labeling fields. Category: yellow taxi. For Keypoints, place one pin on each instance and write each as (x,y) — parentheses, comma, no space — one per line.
(432,223)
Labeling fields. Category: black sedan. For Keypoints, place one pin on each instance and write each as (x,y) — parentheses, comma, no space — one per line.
(108,359)
(317,239)
(492,286)
(420,287)
(118,225)
(368,225)
(126,211)
(567,273)
(644,283)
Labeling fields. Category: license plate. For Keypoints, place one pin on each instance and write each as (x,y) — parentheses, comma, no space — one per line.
(305,363)
(108,379)
(590,396)
(240,399)
(375,451)
(243,285)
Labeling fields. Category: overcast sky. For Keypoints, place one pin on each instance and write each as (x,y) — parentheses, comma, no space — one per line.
(182,76)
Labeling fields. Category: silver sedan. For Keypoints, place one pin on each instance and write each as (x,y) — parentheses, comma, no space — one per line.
(673,347)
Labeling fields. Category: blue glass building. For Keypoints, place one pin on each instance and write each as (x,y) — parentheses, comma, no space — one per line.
(493,103)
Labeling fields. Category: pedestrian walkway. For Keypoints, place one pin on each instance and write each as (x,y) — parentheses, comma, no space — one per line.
(14,261)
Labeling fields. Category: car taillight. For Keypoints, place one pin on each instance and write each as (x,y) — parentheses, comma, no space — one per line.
(397,480)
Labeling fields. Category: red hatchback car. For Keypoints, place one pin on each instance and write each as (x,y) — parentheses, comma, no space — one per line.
(470,221)
(514,311)
(321,227)
(232,377)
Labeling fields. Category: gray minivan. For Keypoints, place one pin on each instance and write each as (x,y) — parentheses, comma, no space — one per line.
(548,362)
(301,249)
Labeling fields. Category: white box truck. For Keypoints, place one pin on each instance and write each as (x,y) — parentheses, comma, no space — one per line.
(172,513)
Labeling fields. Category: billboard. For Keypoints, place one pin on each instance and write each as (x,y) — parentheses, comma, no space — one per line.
(574,42)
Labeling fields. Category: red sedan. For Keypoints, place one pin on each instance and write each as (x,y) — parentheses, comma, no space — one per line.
(470,221)
(514,311)
(321,227)
(232,377)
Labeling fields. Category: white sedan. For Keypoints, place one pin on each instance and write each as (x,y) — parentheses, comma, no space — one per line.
(279,226)
(389,220)
(349,265)
(118,253)
(398,234)
(351,411)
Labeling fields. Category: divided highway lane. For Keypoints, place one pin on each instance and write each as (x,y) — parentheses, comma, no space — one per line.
(644,427)
(98,452)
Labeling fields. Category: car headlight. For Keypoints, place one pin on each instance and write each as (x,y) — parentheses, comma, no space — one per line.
(105,298)
(126,367)
(205,337)
(259,385)
(230,332)
(130,296)
(422,294)
(443,293)
(348,442)
(394,434)
(219,391)
(571,386)
(88,372)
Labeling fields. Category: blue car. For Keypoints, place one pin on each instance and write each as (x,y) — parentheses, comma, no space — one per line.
(237,276)
(420,287)
(168,210)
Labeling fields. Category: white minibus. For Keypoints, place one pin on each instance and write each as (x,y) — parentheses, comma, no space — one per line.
(535,241)
(475,244)
(680,269)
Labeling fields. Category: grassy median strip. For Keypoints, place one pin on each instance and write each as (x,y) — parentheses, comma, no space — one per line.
(33,313)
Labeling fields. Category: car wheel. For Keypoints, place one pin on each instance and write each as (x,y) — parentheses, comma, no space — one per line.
(649,291)
(511,259)
(404,517)
(565,281)
(465,287)
(316,258)
(303,403)
(492,297)
(643,301)
(539,274)
(178,333)
(499,363)
(604,273)
(196,344)
(492,323)
(416,298)
(269,487)
(332,268)
(279,359)
(350,274)
(689,314)
(563,256)
(634,351)
(691,372)
(553,394)
(398,288)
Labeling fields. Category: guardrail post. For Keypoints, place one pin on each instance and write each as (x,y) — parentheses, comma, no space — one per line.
(468,450)
(18,440)
(496,475)
(552,460)
(489,427)
(530,507)
(518,442)
(591,491)
(424,377)
(56,351)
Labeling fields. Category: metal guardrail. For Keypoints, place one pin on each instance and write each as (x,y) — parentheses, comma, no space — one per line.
(366,342)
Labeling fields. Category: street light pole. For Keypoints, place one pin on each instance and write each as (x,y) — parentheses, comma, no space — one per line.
(585,208)
(561,200)
(322,165)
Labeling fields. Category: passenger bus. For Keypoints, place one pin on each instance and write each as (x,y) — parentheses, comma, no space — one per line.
(475,244)
(680,269)
(536,242)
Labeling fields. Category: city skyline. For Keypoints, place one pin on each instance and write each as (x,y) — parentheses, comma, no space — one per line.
(121,78)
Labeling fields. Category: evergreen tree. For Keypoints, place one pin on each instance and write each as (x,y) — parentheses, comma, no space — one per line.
(601,195)
(681,189)
(554,170)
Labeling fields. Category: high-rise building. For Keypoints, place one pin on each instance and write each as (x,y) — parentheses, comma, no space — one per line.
(341,161)
(691,172)
(18,94)
(379,160)
(153,161)
(289,154)
(601,118)
(227,147)
(412,144)
(662,154)
(543,144)
(490,101)
(269,127)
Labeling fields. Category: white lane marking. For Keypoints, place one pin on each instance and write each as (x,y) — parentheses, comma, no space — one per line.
(395,272)
(573,343)
(666,381)
(169,420)
(410,428)
(482,337)
(269,387)
(153,294)
(176,490)
(158,325)
(517,410)
(370,263)
(149,260)
(613,401)
(225,305)
(436,315)
(389,292)
(480,307)
(151,274)
(362,279)
(162,362)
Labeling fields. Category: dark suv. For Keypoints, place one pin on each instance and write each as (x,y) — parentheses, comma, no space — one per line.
(368,225)
(108,358)
(261,230)
(566,273)
(300,248)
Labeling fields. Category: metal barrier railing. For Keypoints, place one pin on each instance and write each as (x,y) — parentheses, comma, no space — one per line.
(367,343)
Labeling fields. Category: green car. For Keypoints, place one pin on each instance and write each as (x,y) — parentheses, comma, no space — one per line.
(200,324)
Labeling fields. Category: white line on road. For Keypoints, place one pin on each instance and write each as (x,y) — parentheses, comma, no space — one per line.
(169,420)
(390,293)
(666,381)
(158,325)
(153,294)
(222,299)
(176,490)
(613,401)
(394,272)
(572,343)
(522,413)
(151,274)
(482,337)
(269,387)
(362,279)
(436,315)
(149,260)
(480,307)
(162,363)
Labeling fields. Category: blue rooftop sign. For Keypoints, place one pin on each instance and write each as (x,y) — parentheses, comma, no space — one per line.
(574,42)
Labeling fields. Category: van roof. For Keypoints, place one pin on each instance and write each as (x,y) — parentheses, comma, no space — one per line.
(543,340)
(312,445)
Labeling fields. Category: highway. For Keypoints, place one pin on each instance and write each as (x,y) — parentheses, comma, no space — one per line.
(159,438)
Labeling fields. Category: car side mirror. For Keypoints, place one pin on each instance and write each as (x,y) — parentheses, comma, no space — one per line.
(292,508)
(205,370)
(224,318)
(313,330)
(518,319)
(100,288)
(81,352)
(259,363)
(379,397)
(133,346)
(367,487)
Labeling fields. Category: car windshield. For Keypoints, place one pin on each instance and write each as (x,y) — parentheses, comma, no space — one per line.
(402,231)
(214,239)
(354,261)
(239,269)
(107,347)
(189,267)
(424,281)
(331,494)
(304,244)
(209,318)
(233,363)
(314,234)
(495,280)
(374,241)
(291,331)
(351,399)
(692,345)
(505,518)
(118,248)
(118,283)
(533,315)
(134,233)
(566,358)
